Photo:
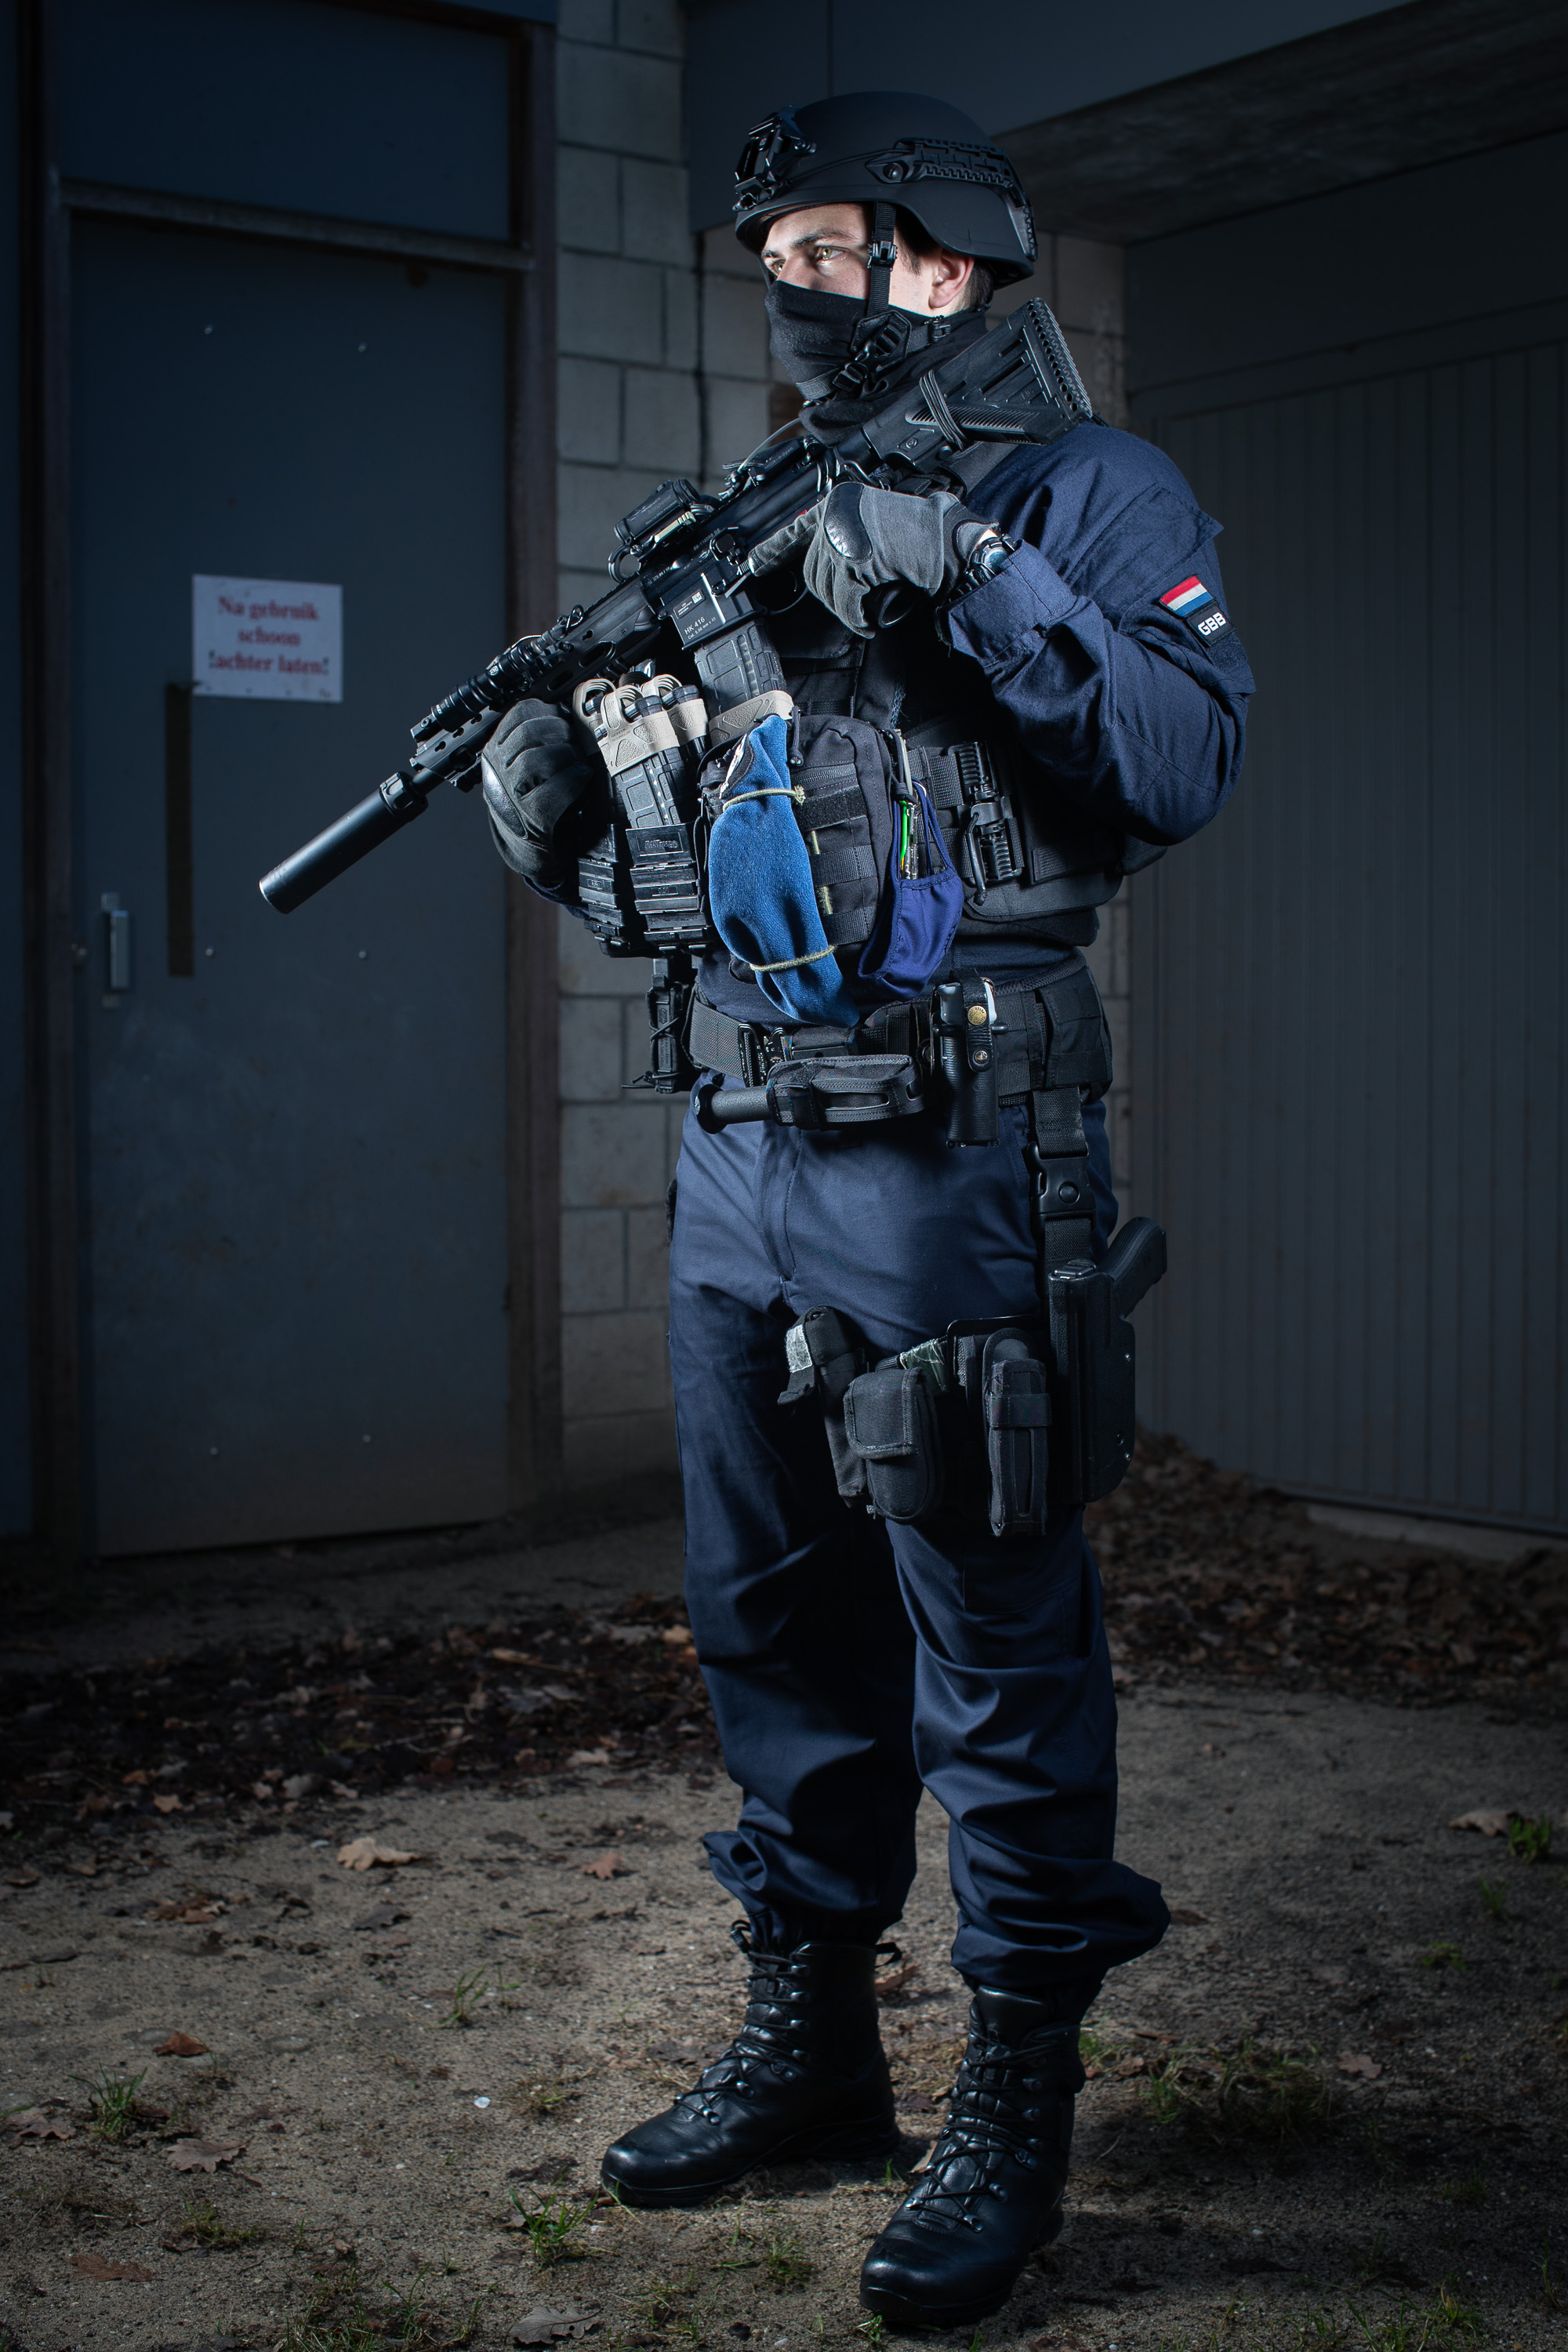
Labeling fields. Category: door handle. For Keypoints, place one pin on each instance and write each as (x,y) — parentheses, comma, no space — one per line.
(116,941)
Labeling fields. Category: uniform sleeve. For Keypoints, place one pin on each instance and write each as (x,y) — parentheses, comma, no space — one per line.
(1136,707)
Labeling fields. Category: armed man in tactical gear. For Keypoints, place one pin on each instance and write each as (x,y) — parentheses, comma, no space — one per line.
(897,1318)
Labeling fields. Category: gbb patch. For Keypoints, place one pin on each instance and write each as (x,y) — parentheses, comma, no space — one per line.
(1190,602)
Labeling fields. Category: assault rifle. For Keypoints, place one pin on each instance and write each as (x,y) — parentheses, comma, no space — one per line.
(686,563)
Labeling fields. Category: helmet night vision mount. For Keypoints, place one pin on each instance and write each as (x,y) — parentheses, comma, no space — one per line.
(885,148)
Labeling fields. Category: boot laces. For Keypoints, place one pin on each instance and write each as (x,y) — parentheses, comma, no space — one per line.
(1001,2101)
(776,2033)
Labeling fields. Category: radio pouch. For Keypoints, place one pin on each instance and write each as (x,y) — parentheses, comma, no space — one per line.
(889,1421)
(921,907)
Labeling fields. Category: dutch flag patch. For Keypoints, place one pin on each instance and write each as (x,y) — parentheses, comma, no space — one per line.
(1190,602)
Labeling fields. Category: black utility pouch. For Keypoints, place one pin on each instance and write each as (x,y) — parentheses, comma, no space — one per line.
(889,1420)
(1016,1412)
(824,1353)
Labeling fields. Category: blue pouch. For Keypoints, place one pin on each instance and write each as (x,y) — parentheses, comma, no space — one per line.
(759,890)
(919,912)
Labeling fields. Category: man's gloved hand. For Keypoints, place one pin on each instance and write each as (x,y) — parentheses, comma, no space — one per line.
(537,777)
(868,538)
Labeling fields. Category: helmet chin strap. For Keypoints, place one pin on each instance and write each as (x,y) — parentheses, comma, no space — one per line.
(880,259)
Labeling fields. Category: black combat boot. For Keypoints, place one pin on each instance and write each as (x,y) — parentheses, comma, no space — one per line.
(991,2190)
(805,2076)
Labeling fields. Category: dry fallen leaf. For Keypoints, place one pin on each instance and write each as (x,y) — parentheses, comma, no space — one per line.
(137,1780)
(1349,2062)
(679,1637)
(22,1878)
(607,1865)
(1490,1825)
(33,2124)
(99,2266)
(167,1804)
(203,2155)
(589,1755)
(515,1658)
(896,1979)
(196,1911)
(1182,1918)
(360,1854)
(544,2325)
(180,2045)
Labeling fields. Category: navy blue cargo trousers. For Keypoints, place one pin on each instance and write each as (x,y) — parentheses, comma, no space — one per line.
(850,1662)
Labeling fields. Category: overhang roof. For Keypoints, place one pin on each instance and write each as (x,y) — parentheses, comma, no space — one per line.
(1387,93)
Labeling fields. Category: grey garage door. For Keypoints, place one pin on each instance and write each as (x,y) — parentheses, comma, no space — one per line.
(1349,994)
(295,1244)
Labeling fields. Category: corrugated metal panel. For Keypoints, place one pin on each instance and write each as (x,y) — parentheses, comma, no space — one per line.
(1350,993)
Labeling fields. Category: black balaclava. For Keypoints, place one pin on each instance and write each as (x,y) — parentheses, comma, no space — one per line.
(848,359)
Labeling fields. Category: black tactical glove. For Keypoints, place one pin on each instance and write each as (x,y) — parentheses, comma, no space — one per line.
(548,798)
(867,538)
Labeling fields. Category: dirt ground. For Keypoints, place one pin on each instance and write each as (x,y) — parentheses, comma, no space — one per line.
(1328,2110)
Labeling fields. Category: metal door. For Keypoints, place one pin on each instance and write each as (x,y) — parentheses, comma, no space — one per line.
(293,1159)
(1349,994)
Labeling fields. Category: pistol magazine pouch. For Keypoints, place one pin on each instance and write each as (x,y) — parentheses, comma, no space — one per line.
(889,1420)
(1016,1412)
(826,1353)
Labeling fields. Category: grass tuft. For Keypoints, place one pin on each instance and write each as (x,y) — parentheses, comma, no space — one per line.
(1530,1840)
(202,2221)
(338,2319)
(112,2102)
(1254,2092)
(553,2226)
(777,2256)
(1470,2189)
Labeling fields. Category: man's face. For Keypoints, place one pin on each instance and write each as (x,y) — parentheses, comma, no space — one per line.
(824,248)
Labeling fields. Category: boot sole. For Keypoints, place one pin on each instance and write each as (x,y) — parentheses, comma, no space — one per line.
(845,2143)
(902,2312)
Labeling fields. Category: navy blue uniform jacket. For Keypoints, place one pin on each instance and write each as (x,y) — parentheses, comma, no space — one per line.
(1132,711)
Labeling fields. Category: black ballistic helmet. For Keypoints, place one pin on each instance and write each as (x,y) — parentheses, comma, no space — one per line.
(885,148)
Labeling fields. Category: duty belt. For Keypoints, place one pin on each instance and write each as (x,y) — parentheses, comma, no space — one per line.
(743,1050)
(978,1044)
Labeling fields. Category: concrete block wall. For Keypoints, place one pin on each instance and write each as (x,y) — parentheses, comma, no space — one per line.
(1083,282)
(630,415)
(664,370)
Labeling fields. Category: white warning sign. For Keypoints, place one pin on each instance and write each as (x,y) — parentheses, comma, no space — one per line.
(273,640)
